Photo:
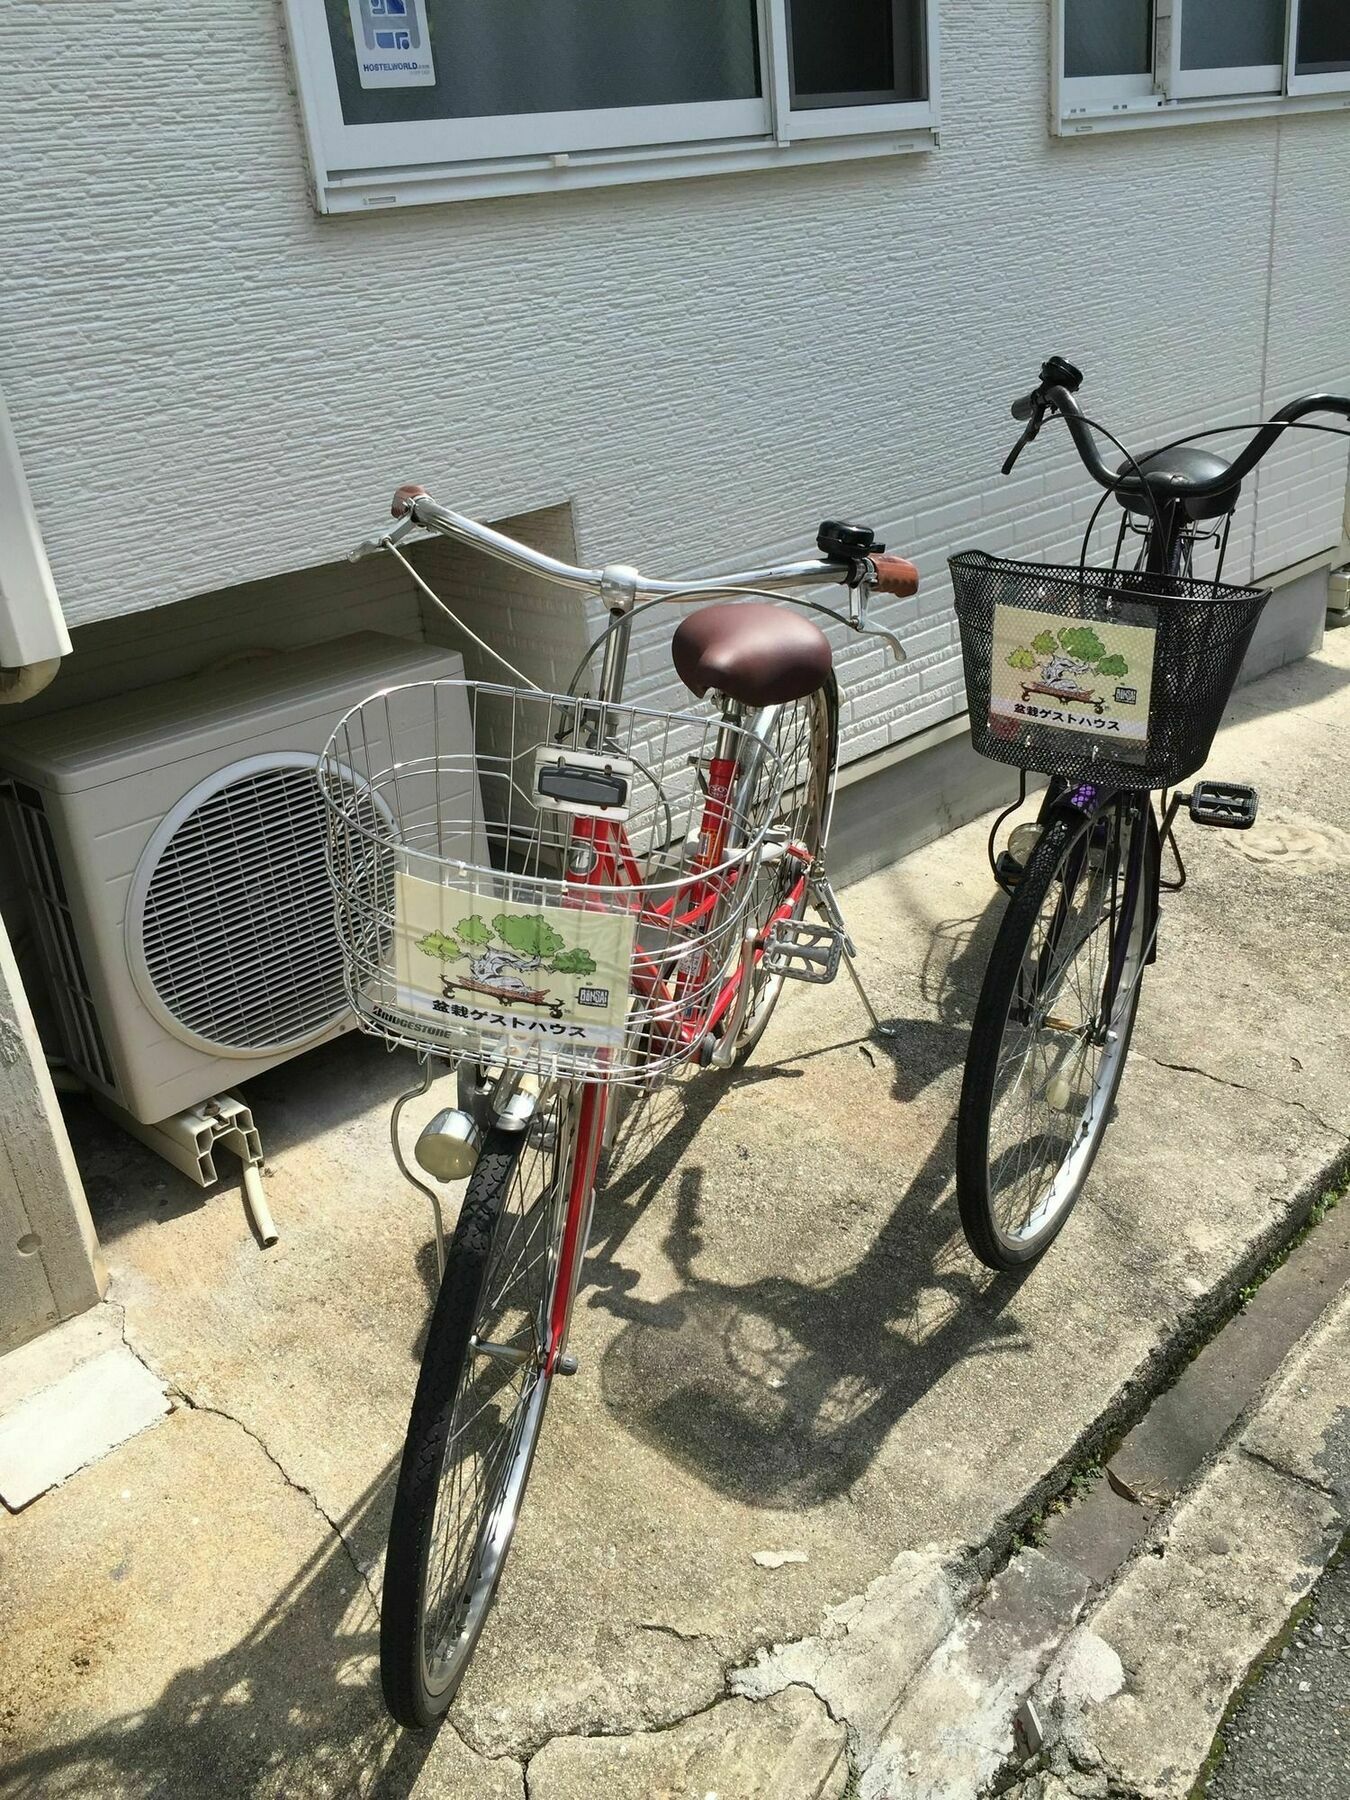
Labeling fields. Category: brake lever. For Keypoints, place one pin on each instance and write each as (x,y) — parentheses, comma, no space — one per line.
(859,595)
(1033,427)
(898,653)
(372,546)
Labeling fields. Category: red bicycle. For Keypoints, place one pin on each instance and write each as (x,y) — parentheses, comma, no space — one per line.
(566,898)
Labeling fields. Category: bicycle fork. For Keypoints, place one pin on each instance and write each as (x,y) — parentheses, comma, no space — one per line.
(587,1134)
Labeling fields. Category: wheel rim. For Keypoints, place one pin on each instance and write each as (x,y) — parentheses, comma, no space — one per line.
(800,739)
(497,1409)
(1059,1062)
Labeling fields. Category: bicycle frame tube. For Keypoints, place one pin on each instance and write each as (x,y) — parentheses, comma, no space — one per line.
(602,857)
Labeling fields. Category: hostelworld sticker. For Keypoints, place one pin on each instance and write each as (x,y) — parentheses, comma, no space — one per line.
(1093,677)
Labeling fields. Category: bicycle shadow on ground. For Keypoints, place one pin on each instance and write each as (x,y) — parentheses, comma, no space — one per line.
(782,1391)
(292,1708)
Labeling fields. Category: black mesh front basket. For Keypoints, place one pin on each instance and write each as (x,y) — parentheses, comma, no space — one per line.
(1116,677)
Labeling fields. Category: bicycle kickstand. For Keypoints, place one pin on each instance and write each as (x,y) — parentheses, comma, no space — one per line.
(827,905)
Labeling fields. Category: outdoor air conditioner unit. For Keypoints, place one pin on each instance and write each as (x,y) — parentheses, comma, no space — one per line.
(171,841)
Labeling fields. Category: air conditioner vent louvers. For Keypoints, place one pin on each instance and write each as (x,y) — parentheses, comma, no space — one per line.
(237,924)
(84,1043)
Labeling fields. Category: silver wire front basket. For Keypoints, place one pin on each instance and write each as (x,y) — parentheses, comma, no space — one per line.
(535,879)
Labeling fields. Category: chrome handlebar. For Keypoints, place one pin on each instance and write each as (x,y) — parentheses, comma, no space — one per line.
(618,585)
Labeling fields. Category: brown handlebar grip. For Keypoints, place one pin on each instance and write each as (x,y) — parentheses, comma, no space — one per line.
(404,498)
(895,575)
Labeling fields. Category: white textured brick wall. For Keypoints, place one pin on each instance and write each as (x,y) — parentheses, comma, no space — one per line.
(284,612)
(210,384)
(541,629)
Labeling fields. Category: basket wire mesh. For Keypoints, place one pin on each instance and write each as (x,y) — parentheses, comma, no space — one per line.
(1112,676)
(480,919)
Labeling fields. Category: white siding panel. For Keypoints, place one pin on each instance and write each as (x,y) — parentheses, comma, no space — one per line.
(210,384)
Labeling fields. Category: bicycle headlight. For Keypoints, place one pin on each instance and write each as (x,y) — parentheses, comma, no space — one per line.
(448,1147)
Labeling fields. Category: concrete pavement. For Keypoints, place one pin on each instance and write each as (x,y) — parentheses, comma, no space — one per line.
(784,1344)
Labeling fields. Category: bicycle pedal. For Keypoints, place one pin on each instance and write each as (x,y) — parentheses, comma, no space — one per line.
(1231,805)
(803,952)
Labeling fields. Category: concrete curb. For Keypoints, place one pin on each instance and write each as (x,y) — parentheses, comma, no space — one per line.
(1137,1691)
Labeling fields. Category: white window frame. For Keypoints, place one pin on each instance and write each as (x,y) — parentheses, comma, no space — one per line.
(1089,95)
(1172,95)
(1178,83)
(795,124)
(1336,83)
(1074,97)
(357,167)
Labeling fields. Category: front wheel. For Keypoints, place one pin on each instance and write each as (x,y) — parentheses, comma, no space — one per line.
(1052,1030)
(481,1394)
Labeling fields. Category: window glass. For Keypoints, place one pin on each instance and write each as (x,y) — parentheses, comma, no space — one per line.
(1323,38)
(855,52)
(1108,37)
(496,58)
(1232,34)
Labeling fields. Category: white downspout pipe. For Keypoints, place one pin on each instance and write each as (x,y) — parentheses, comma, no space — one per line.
(33,635)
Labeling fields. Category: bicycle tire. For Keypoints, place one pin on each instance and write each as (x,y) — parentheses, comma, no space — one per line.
(414,1696)
(813,724)
(978,1165)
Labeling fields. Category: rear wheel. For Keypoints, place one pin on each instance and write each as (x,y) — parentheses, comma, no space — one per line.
(476,1414)
(804,736)
(1045,1059)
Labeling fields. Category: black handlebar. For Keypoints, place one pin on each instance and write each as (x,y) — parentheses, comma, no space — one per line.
(1059,383)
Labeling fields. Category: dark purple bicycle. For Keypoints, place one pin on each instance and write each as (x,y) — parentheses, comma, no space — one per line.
(1112,681)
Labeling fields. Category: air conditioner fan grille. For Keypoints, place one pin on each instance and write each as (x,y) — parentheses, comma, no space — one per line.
(237,928)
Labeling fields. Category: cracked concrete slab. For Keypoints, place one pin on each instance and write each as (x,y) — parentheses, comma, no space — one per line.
(789,1351)
(81,1416)
(868,1649)
(1303,1427)
(1187,1621)
(1260,927)
(787,1748)
(191,1626)
(950,1734)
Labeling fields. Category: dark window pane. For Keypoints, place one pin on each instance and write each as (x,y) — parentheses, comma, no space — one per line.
(1323,37)
(1108,37)
(856,52)
(1232,34)
(497,57)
